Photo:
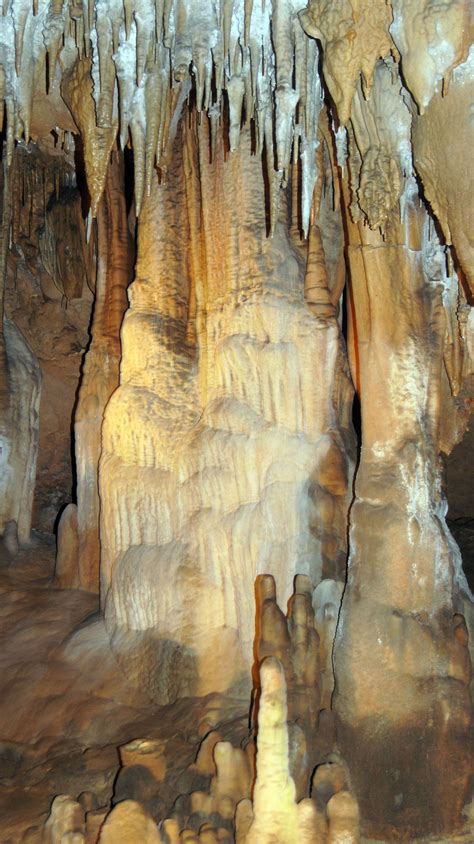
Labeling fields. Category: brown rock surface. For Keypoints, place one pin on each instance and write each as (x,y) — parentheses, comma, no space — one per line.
(396,656)
(100,373)
(292,177)
(66,568)
(54,326)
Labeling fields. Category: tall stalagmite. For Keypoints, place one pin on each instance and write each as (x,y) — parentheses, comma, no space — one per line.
(300,174)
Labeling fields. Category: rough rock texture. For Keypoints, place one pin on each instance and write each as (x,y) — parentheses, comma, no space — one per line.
(442,159)
(66,571)
(47,297)
(398,653)
(19,431)
(225,452)
(100,374)
(215,447)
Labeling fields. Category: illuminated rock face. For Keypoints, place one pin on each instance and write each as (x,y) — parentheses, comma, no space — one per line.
(232,395)
(220,449)
(442,159)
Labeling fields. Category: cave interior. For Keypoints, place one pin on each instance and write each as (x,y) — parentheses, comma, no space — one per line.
(236,380)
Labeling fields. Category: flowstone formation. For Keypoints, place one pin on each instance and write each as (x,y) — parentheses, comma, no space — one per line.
(233,398)
(271,206)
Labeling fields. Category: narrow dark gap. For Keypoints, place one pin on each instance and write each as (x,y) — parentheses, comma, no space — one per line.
(459,492)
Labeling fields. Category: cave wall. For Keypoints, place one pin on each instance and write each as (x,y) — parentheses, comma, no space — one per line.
(48,299)
(276,155)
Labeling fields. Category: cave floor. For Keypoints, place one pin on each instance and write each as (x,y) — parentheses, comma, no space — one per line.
(65,705)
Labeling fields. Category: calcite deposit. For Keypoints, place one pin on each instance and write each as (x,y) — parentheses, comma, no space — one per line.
(236,352)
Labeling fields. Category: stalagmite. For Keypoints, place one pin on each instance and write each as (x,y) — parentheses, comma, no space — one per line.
(276,815)
(10,538)
(343,816)
(236,353)
(66,569)
(129,823)
(66,819)
(404,581)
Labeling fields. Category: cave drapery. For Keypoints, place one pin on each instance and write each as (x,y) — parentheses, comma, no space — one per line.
(264,210)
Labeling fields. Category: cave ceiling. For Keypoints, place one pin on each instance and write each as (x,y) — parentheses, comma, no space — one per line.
(113,70)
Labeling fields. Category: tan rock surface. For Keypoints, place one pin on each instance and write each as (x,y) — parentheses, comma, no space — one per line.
(226,451)
(443,160)
(100,375)
(66,569)
(396,655)
(219,408)
(129,824)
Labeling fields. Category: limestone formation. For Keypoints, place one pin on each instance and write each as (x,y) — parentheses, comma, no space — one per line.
(327,599)
(147,753)
(440,159)
(293,640)
(19,431)
(100,373)
(10,538)
(49,276)
(275,815)
(225,338)
(128,823)
(267,209)
(343,817)
(399,470)
(66,571)
(65,822)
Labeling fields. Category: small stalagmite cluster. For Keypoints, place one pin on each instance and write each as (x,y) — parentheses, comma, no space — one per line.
(236,351)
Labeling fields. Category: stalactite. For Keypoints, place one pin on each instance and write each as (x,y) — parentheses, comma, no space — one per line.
(316,283)
(76,88)
(221,441)
(354,36)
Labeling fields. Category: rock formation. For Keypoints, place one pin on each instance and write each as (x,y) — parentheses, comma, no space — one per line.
(236,252)
(223,413)
(100,373)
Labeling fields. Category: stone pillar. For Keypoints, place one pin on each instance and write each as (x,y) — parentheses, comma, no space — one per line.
(401,659)
(215,446)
